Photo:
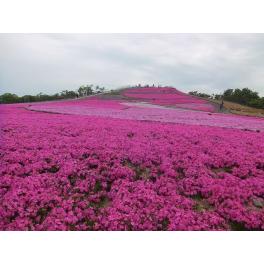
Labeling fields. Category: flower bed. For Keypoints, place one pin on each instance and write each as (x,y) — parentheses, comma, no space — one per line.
(168,96)
(149,112)
(82,172)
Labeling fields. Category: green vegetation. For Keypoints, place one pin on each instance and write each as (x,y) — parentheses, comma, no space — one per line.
(84,90)
(243,96)
(204,95)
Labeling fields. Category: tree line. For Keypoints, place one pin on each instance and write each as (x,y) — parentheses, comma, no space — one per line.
(243,96)
(84,90)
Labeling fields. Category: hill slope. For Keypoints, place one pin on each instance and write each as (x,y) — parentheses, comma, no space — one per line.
(151,104)
(120,163)
(170,97)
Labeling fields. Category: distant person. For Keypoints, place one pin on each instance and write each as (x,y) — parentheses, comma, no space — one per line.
(222,105)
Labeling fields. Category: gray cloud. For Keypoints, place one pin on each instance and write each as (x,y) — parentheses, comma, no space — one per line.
(49,63)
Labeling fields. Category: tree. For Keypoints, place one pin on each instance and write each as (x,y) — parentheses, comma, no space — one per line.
(258,103)
(68,94)
(101,89)
(242,96)
(218,97)
(203,95)
(85,90)
(81,91)
(9,98)
(228,93)
(29,98)
(194,93)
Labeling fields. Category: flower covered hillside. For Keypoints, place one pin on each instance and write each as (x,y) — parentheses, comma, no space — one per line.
(121,109)
(169,96)
(84,172)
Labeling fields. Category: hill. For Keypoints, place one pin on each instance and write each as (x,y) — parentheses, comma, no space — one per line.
(168,97)
(133,160)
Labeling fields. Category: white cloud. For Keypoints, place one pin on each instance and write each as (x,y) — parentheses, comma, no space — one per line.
(32,63)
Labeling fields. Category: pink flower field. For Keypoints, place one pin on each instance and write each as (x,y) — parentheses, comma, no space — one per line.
(169,96)
(94,164)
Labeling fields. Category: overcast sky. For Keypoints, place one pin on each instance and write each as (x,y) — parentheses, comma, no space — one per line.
(50,63)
